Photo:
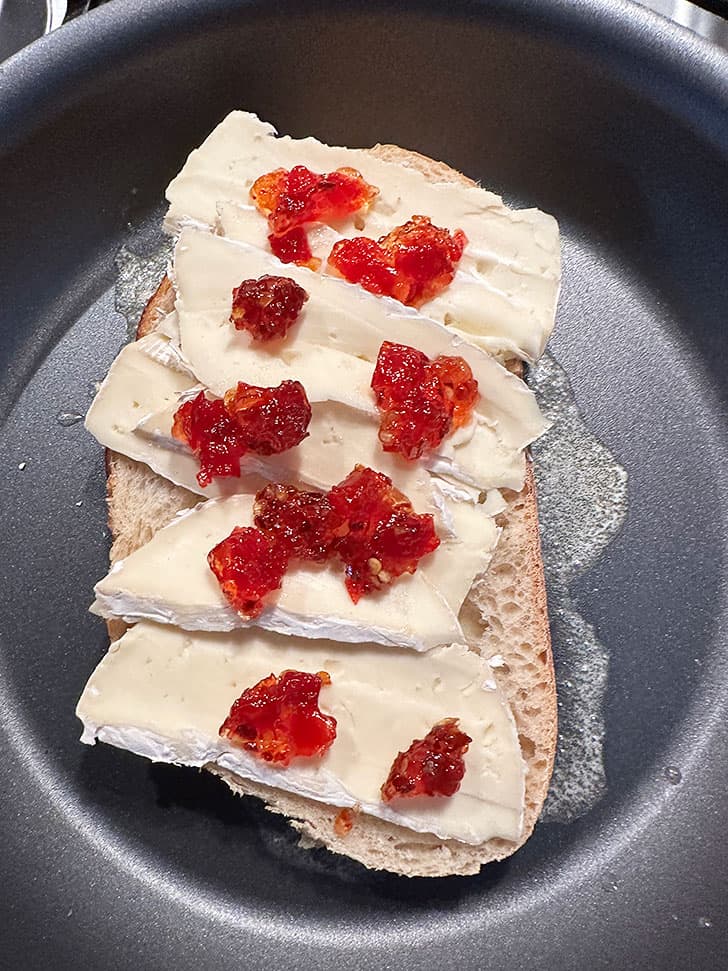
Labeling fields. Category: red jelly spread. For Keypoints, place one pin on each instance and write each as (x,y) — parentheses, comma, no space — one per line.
(431,766)
(248,419)
(364,521)
(304,523)
(344,822)
(384,537)
(290,199)
(279,718)
(420,400)
(248,565)
(272,419)
(267,307)
(413,263)
(294,248)
(213,435)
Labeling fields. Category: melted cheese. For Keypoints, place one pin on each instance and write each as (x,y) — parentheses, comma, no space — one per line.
(163,694)
(504,294)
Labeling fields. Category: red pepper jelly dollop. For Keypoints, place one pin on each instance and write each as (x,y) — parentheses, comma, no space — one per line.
(431,766)
(267,307)
(413,263)
(220,431)
(291,198)
(420,400)
(279,718)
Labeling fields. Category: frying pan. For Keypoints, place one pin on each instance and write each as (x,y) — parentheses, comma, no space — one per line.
(21,21)
(599,112)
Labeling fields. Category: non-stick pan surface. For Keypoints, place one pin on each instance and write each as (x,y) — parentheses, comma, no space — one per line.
(599,112)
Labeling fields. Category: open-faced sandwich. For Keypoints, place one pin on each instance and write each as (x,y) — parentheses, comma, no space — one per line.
(326,584)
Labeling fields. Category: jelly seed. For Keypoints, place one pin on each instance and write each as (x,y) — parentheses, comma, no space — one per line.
(21,466)
(705,922)
(673,775)
(68,418)
(374,564)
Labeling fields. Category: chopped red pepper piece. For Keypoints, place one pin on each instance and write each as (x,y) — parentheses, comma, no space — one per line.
(279,718)
(431,766)
(294,247)
(344,822)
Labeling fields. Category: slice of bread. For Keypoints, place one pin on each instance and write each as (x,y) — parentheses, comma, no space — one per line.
(505,615)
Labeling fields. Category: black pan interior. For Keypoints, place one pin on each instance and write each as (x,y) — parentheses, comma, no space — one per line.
(600,113)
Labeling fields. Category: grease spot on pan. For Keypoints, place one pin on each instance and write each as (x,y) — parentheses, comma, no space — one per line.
(582,495)
(138,278)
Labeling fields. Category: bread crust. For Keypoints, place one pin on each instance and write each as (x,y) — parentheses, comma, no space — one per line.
(505,614)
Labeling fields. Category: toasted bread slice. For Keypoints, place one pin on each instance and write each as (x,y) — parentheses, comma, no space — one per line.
(505,617)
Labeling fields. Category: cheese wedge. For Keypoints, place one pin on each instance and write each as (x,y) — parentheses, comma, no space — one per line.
(504,294)
(163,693)
(338,438)
(168,580)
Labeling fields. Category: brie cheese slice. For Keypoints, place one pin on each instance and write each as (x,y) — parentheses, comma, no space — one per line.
(332,350)
(504,294)
(164,693)
(169,581)
(338,317)
(146,376)
(338,438)
(133,410)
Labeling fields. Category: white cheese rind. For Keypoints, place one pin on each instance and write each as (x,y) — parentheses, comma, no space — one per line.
(512,260)
(168,580)
(163,694)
